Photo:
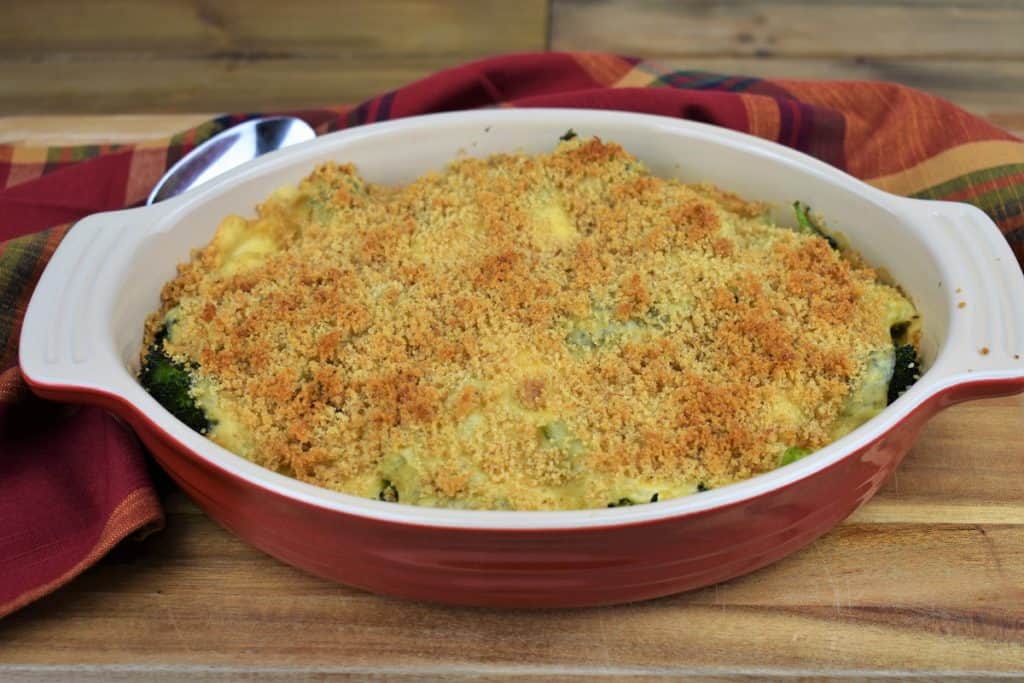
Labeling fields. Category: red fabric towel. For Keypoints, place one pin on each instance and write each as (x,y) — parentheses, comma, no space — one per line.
(74,480)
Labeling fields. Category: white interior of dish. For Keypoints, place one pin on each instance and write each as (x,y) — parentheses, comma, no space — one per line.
(85,324)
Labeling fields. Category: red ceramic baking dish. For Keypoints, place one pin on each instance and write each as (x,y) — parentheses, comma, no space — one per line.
(83,330)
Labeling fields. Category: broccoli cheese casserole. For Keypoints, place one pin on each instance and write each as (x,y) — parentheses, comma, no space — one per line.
(559,331)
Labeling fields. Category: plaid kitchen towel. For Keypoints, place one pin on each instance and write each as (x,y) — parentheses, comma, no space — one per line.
(74,480)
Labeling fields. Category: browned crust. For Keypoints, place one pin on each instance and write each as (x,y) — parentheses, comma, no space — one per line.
(390,315)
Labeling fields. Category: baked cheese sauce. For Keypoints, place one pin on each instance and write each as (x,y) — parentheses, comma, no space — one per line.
(560,331)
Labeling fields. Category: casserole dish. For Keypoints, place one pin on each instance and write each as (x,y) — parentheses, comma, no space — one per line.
(84,326)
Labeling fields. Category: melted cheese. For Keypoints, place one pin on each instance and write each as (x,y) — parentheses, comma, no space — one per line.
(553,228)
(553,332)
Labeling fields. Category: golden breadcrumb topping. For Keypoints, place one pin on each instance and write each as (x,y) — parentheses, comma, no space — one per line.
(524,332)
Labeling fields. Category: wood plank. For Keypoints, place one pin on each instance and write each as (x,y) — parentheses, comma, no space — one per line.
(258,29)
(186,85)
(337,673)
(881,29)
(969,455)
(45,131)
(860,590)
(64,57)
(49,673)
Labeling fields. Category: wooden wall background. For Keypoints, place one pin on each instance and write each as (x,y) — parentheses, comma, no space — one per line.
(118,56)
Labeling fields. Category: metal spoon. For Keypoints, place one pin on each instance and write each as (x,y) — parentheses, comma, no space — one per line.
(228,149)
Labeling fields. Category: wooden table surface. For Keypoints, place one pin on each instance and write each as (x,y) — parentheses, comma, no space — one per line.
(927,579)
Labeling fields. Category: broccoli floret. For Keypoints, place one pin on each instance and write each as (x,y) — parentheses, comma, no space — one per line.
(906,371)
(623,502)
(792,454)
(807,224)
(702,487)
(899,332)
(803,218)
(581,339)
(169,382)
(555,433)
(388,493)
(568,135)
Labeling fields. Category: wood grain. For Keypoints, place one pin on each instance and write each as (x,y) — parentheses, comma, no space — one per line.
(127,56)
(180,84)
(69,129)
(880,29)
(266,29)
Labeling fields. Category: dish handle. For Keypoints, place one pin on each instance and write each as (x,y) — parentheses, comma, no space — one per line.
(67,343)
(983,353)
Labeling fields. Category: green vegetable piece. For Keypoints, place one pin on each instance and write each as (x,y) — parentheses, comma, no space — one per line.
(906,371)
(568,135)
(898,332)
(654,498)
(808,226)
(169,382)
(702,487)
(556,433)
(580,339)
(388,493)
(792,454)
(803,218)
(622,502)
